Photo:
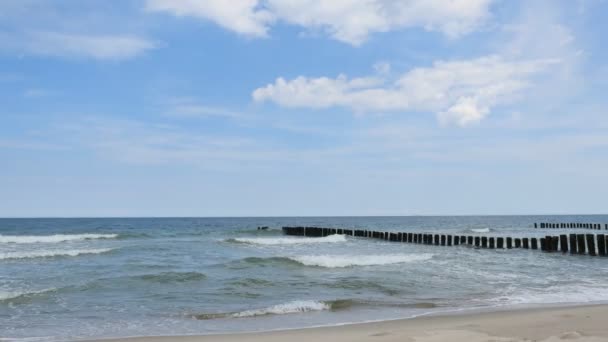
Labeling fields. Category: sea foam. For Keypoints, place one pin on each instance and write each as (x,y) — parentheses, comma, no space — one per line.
(298,306)
(340,261)
(51,253)
(53,238)
(8,295)
(480,230)
(289,240)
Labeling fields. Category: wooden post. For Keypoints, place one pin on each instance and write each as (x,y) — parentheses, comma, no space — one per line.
(443,240)
(410,237)
(601,244)
(580,239)
(573,245)
(449,240)
(456,240)
(484,242)
(563,243)
(470,240)
(535,226)
(525,242)
(591,245)
(477,241)
(517,243)
(554,243)
(543,244)
(509,242)
(500,242)
(437,239)
(533,243)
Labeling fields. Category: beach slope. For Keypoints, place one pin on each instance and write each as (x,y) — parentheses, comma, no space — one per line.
(581,323)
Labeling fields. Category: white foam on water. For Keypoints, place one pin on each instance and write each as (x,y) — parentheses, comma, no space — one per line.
(480,230)
(340,261)
(292,240)
(556,295)
(6,295)
(53,238)
(51,253)
(299,306)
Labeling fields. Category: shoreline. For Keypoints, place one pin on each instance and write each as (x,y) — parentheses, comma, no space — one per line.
(578,322)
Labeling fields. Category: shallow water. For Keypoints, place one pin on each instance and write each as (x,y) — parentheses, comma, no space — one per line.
(90,278)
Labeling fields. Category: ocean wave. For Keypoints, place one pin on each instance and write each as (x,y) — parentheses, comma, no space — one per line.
(299,306)
(56,238)
(15,295)
(172,277)
(341,261)
(554,295)
(289,240)
(480,230)
(51,253)
(303,306)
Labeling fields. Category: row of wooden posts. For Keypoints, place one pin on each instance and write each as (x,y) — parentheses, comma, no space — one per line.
(590,244)
(596,226)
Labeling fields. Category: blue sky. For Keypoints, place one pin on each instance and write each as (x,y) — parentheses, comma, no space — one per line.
(302,107)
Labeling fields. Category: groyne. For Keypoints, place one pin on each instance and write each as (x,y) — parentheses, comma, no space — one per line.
(570,225)
(577,244)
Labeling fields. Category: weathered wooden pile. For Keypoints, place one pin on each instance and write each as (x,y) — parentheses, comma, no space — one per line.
(589,244)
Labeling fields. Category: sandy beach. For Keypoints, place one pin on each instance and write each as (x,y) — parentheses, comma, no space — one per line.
(580,323)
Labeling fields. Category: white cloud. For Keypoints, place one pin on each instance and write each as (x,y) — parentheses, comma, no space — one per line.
(349,21)
(241,16)
(466,111)
(461,92)
(55,44)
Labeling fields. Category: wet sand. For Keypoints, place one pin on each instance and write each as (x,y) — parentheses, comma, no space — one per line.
(580,323)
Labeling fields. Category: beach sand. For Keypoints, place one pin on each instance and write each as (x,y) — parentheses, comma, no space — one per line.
(581,323)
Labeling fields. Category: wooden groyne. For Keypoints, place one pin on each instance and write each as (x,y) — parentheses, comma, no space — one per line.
(581,244)
(571,225)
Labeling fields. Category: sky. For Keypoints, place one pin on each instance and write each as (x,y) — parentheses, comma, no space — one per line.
(303,107)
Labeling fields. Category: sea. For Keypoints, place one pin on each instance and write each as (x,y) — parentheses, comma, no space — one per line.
(90,278)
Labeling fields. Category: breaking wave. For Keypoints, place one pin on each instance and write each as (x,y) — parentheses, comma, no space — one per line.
(53,238)
(51,253)
(14,295)
(340,261)
(299,306)
(289,240)
(303,306)
(480,230)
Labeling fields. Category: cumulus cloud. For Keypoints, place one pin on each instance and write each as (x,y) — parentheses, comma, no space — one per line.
(57,44)
(349,21)
(241,16)
(460,92)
